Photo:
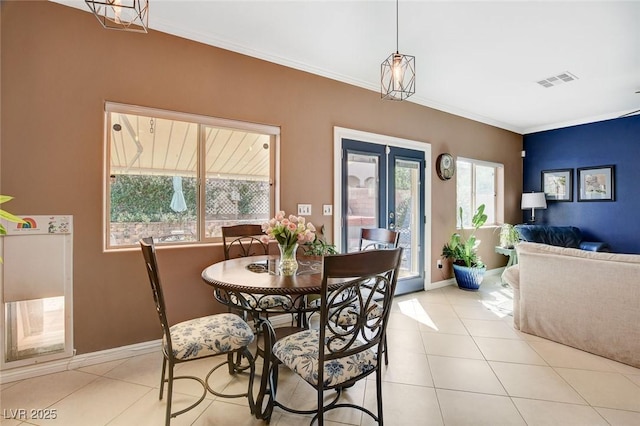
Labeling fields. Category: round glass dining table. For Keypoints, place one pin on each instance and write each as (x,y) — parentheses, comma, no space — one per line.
(249,284)
(259,274)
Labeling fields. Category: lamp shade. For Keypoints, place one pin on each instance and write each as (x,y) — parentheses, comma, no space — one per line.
(533,200)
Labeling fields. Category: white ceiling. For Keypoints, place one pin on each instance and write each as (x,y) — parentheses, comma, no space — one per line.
(476,59)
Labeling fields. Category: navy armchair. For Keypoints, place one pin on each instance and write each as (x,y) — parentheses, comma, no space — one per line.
(562,236)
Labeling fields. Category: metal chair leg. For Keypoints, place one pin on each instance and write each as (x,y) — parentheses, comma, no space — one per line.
(379,395)
(164,369)
(385,349)
(167,421)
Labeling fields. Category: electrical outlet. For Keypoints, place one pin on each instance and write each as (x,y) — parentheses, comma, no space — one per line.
(439,263)
(304,209)
(327,209)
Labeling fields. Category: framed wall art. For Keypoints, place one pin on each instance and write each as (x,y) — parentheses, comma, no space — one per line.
(557,185)
(596,183)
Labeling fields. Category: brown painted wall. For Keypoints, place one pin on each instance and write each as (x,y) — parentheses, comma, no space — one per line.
(59,67)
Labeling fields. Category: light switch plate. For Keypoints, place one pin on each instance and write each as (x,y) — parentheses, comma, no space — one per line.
(304,209)
(327,209)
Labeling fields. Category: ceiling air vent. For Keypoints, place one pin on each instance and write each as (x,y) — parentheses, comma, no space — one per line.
(556,80)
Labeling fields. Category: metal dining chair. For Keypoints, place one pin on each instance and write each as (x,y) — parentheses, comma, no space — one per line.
(243,241)
(333,357)
(378,238)
(370,238)
(213,335)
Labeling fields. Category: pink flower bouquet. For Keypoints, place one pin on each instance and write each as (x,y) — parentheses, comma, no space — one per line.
(288,230)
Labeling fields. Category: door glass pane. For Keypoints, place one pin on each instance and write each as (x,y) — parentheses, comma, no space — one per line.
(407,198)
(362,196)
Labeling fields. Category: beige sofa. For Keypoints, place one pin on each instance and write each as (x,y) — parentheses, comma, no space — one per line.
(587,300)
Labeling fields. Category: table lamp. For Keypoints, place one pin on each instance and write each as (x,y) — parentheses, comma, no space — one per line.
(533,201)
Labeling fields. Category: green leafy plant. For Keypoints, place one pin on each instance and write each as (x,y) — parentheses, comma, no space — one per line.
(319,247)
(509,236)
(7,216)
(464,251)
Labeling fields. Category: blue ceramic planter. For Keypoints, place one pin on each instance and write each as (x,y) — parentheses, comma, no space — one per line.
(469,278)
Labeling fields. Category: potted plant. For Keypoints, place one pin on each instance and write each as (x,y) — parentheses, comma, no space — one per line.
(509,236)
(463,252)
(319,246)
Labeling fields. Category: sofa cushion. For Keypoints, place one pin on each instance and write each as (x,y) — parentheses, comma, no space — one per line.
(525,247)
(587,300)
(511,276)
(561,236)
(594,246)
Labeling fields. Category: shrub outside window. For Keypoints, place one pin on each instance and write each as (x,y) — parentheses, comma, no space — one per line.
(180,177)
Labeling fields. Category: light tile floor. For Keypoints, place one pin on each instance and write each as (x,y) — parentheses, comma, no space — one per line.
(455,359)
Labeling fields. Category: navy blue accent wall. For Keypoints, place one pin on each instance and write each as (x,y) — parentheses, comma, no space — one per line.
(608,142)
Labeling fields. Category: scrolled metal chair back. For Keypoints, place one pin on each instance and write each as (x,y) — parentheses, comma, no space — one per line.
(378,238)
(243,241)
(149,253)
(368,310)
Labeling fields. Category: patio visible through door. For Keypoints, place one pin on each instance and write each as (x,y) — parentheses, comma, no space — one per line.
(383,187)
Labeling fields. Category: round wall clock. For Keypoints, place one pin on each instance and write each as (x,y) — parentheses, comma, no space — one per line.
(445,166)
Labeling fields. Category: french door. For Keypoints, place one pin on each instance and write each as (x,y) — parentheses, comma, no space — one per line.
(383,187)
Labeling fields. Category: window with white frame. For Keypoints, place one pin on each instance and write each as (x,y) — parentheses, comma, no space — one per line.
(479,182)
(180,177)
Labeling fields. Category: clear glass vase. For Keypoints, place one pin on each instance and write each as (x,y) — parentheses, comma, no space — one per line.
(288,263)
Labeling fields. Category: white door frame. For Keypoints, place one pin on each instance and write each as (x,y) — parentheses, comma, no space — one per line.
(340,133)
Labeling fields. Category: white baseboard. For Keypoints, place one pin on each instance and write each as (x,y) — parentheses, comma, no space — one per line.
(439,284)
(79,361)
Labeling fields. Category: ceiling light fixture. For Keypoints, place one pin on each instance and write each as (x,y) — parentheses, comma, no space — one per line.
(398,80)
(125,15)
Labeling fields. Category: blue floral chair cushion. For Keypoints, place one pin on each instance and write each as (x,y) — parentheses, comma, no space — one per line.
(347,317)
(211,335)
(265,302)
(299,352)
